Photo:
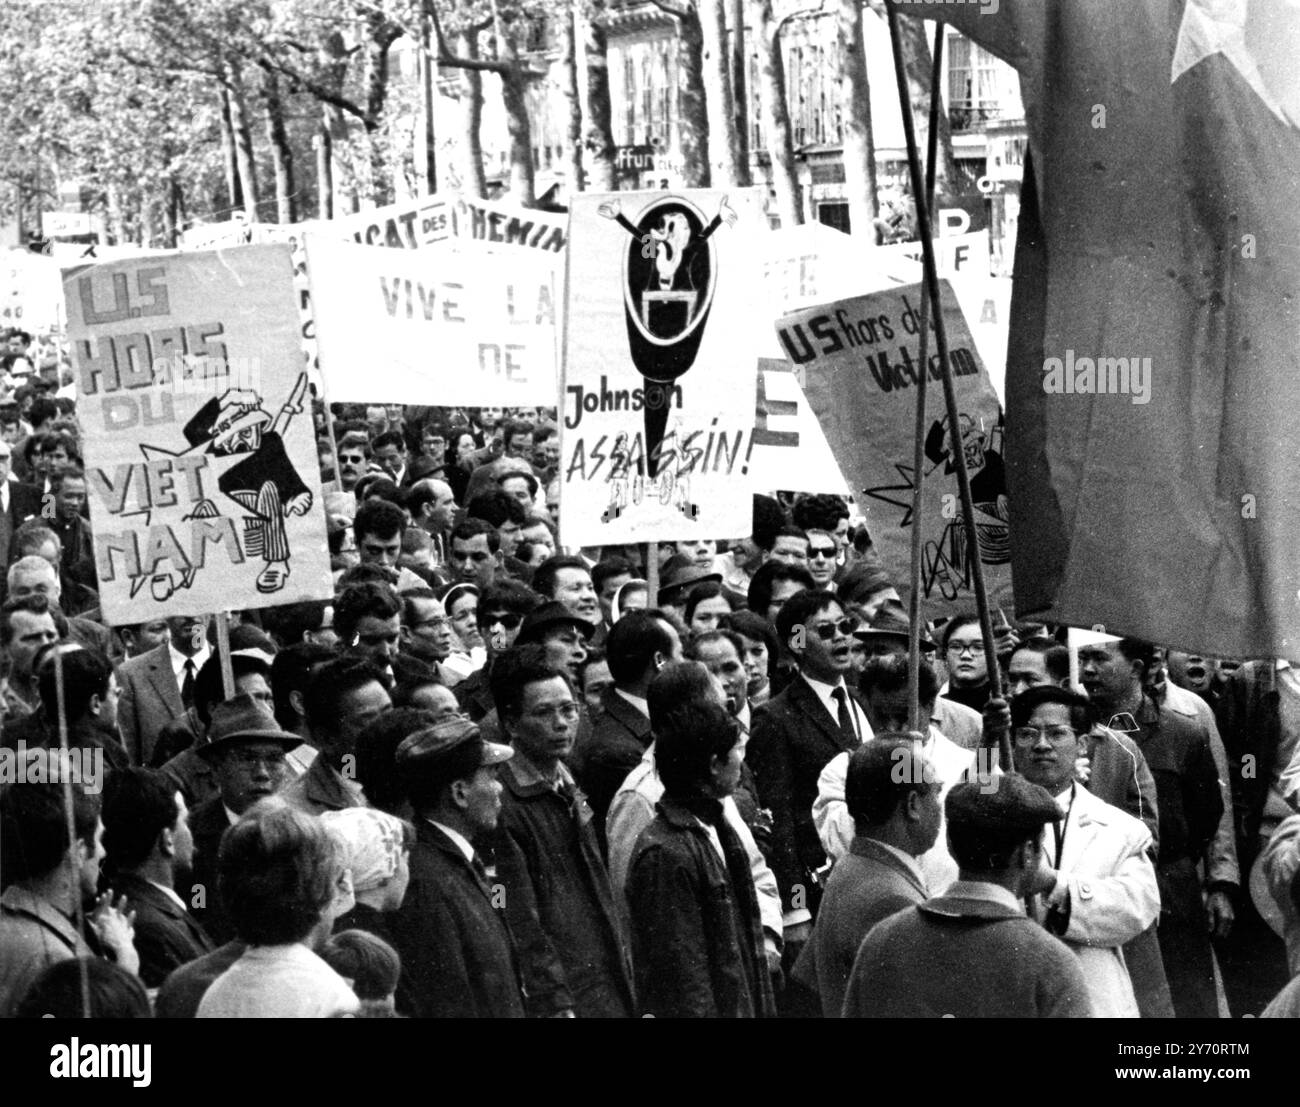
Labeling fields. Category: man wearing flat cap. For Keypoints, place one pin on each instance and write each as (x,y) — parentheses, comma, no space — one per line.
(248,754)
(458,955)
(972,952)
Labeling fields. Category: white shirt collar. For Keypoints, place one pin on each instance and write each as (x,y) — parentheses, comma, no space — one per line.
(178,661)
(823,692)
(231,817)
(170,893)
(462,843)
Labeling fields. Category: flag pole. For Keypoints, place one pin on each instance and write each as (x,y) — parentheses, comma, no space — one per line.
(915,722)
(651,555)
(65,776)
(945,370)
(223,653)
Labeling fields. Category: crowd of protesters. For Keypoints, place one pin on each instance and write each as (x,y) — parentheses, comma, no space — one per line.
(494,776)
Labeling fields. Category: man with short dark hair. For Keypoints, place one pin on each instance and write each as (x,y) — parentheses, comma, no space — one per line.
(503,511)
(158,686)
(502,608)
(458,955)
(68,487)
(426,630)
(368,618)
(972,953)
(567,580)
(638,646)
(475,552)
(30,575)
(893,797)
(47,876)
(1097,886)
(378,529)
(795,734)
(353,459)
(574,952)
(148,842)
(608,575)
(25,626)
(390,451)
(343,697)
(773,584)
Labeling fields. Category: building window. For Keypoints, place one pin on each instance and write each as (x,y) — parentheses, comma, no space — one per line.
(980,88)
(834,215)
(629,99)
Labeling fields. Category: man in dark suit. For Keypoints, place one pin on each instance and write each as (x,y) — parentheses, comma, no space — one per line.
(639,645)
(458,956)
(18,501)
(892,792)
(795,734)
(153,685)
(147,836)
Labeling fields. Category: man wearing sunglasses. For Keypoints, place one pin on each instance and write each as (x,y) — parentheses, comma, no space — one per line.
(822,552)
(1096,886)
(795,734)
(501,610)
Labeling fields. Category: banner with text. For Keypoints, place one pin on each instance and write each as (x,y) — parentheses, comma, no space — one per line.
(859,361)
(443,326)
(201,462)
(657,410)
(414,224)
(791,453)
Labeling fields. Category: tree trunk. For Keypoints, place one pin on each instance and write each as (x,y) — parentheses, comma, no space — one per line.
(324,174)
(917,63)
(692,112)
(859,146)
(513,99)
(234,196)
(776,115)
(428,97)
(334,63)
(245,161)
(599,138)
(471,83)
(381,35)
(573,100)
(281,152)
(740,89)
(173,213)
(721,105)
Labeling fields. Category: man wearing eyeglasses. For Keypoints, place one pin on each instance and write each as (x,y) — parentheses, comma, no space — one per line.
(795,734)
(575,955)
(1096,887)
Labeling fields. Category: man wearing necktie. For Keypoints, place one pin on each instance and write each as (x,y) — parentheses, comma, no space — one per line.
(1096,888)
(794,736)
(458,955)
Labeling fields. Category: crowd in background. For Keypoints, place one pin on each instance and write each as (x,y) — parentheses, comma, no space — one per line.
(495,776)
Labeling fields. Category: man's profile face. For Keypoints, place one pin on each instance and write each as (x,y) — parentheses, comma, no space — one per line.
(565,648)
(609,589)
(11,432)
(510,534)
(481,799)
(182,839)
(358,709)
(472,560)
(442,507)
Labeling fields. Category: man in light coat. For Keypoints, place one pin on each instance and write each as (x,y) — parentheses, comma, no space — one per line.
(1097,871)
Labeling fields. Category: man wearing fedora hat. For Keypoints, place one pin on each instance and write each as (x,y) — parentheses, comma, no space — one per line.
(247,751)
(679,575)
(458,955)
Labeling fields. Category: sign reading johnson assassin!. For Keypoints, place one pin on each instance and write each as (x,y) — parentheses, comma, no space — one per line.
(200,453)
(657,410)
(859,360)
(431,219)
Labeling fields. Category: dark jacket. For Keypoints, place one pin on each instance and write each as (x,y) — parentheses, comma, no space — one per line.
(166,935)
(573,949)
(695,934)
(613,749)
(793,739)
(208,823)
(1250,723)
(184,989)
(458,957)
(474,695)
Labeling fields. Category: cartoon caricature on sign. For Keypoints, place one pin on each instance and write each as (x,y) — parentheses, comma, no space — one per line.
(246,447)
(670,273)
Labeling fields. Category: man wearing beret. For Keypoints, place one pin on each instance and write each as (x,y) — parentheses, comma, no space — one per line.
(1100,884)
(972,952)
(458,956)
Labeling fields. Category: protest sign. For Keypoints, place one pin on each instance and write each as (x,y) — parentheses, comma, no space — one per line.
(30,296)
(790,449)
(860,364)
(200,453)
(415,224)
(657,410)
(440,326)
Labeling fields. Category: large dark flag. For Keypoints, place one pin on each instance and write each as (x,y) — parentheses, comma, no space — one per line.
(1153,376)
